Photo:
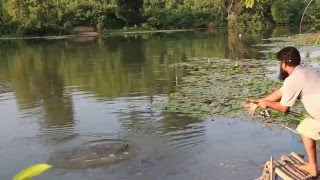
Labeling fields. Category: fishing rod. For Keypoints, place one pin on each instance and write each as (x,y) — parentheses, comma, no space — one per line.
(265,113)
(290,129)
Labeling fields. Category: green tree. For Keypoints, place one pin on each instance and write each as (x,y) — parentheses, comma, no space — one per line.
(5,20)
(130,11)
(96,13)
(33,15)
(45,17)
(286,12)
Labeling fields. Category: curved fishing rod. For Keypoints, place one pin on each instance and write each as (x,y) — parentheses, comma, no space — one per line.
(305,10)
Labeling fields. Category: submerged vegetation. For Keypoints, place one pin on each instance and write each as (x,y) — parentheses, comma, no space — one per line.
(220,87)
(309,39)
(35,17)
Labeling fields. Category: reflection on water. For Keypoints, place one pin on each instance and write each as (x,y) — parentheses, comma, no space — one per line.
(54,93)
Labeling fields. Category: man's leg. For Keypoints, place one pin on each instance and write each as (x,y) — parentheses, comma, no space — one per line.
(310,147)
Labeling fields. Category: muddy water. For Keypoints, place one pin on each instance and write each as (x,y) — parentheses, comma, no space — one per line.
(57,95)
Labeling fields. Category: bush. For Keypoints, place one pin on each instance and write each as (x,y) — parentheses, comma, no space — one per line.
(6,26)
(286,12)
(34,16)
(111,21)
(38,17)
(153,22)
(130,11)
(313,13)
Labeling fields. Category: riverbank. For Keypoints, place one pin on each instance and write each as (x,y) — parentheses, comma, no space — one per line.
(120,32)
(299,40)
(309,39)
(99,34)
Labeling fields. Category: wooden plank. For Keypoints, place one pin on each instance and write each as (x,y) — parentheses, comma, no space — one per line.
(302,162)
(295,161)
(291,161)
(283,172)
(286,168)
(295,173)
(271,168)
(295,155)
(305,173)
(292,173)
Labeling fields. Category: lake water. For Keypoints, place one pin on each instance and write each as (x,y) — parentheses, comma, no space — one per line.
(57,94)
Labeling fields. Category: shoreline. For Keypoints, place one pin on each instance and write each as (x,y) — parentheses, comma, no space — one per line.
(302,40)
(97,34)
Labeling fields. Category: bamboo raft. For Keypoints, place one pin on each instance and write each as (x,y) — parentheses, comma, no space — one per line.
(285,168)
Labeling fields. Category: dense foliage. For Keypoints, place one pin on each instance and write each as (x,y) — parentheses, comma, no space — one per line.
(39,17)
(285,12)
(130,11)
(5,20)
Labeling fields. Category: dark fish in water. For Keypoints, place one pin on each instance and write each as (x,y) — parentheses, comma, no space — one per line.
(91,155)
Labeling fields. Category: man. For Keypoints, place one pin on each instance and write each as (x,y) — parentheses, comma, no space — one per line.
(302,83)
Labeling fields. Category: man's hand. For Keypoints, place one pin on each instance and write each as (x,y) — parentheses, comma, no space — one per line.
(256,101)
(262,104)
(253,104)
(271,101)
(251,107)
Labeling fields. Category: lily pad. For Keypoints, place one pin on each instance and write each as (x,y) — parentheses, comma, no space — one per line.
(219,87)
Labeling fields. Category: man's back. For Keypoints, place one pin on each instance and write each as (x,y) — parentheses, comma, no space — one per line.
(310,95)
(303,83)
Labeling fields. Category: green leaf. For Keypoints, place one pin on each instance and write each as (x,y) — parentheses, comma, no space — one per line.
(32,171)
(249,3)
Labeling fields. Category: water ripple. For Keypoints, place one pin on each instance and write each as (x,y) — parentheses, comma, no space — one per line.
(189,137)
(6,96)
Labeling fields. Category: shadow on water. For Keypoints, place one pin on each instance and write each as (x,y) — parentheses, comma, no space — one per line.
(56,95)
(101,152)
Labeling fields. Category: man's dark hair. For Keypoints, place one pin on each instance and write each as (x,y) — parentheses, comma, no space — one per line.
(290,55)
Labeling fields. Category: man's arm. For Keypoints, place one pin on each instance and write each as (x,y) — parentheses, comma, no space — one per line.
(273,105)
(272,101)
(274,96)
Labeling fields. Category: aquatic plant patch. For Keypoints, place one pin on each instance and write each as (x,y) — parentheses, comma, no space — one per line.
(299,40)
(219,87)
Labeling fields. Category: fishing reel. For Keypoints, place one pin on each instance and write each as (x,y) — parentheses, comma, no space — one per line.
(264,113)
(251,107)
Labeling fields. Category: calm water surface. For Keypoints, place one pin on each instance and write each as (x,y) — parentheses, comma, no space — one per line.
(57,94)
